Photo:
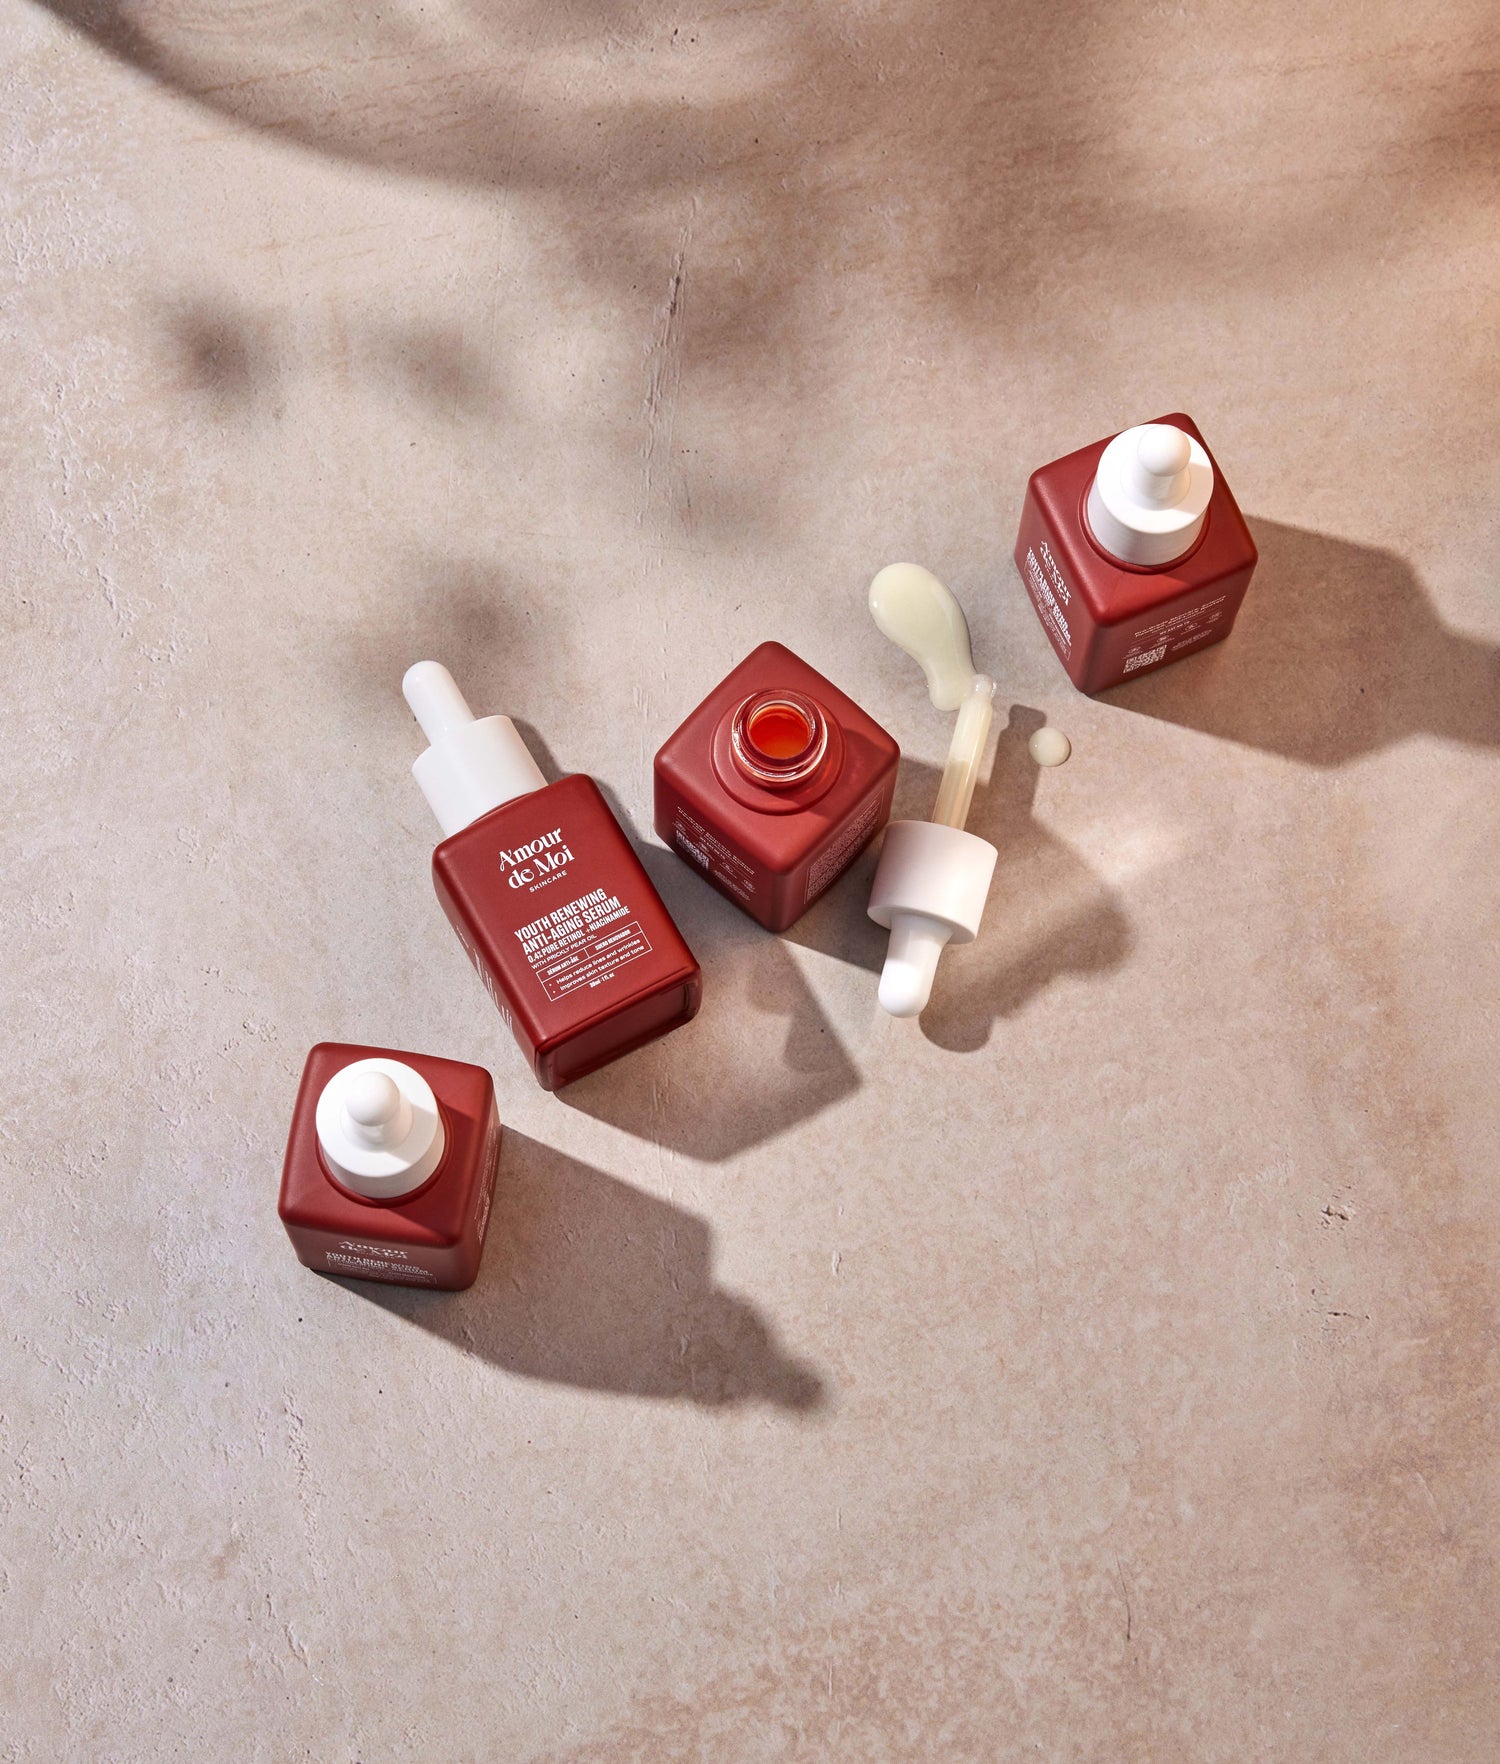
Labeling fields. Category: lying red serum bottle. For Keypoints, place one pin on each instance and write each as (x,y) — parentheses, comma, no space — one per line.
(774,785)
(571,940)
(1134,552)
(390,1166)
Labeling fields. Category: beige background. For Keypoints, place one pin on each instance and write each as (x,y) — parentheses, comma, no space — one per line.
(1103,1369)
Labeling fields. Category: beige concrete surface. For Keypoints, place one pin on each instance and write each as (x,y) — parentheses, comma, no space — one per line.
(1104,1369)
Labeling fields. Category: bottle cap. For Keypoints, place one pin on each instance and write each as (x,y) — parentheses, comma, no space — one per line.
(1150,494)
(474,763)
(379,1128)
(929,891)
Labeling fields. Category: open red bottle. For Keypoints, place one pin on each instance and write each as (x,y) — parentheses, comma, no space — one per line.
(774,785)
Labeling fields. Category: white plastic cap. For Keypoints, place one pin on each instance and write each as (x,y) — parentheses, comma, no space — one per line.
(929,891)
(379,1128)
(474,763)
(1150,495)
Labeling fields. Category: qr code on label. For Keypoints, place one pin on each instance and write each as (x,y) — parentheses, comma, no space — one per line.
(1145,661)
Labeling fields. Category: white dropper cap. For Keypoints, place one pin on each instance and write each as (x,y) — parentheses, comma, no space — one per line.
(1150,495)
(474,763)
(933,878)
(379,1128)
(929,891)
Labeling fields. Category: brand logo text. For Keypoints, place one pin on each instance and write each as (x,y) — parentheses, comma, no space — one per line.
(538,858)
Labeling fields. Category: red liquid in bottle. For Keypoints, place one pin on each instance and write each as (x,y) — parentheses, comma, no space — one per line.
(779,731)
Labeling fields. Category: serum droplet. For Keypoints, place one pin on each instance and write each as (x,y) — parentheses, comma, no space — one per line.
(1049,747)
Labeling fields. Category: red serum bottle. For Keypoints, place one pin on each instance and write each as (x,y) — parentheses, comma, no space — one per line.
(390,1166)
(774,785)
(1134,552)
(540,883)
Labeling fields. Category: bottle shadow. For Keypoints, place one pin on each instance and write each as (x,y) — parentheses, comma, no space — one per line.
(589,1282)
(759,1058)
(1049,915)
(1337,653)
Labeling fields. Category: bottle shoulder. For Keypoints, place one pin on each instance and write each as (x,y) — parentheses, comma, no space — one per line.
(511,819)
(771,667)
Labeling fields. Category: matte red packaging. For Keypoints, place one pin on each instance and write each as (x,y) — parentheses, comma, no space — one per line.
(774,785)
(541,885)
(1110,619)
(402,1121)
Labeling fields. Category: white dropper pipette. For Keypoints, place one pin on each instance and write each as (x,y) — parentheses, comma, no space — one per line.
(933,877)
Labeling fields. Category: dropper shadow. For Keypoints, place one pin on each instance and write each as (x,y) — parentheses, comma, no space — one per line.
(1048,915)
(761,1055)
(837,924)
(588,1282)
(1337,653)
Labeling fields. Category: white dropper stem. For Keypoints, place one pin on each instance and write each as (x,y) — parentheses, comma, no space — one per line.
(1162,455)
(377,1115)
(473,763)
(435,700)
(961,770)
(911,962)
(379,1128)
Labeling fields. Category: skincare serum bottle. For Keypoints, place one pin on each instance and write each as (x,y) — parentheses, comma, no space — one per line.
(559,918)
(774,785)
(390,1166)
(1134,552)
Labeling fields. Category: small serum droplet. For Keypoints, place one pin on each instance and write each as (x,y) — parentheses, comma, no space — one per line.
(1049,747)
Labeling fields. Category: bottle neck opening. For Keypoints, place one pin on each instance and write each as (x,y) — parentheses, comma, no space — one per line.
(778,739)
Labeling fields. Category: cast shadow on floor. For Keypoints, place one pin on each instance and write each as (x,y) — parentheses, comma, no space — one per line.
(242,360)
(589,1282)
(1337,653)
(1049,915)
(760,1057)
